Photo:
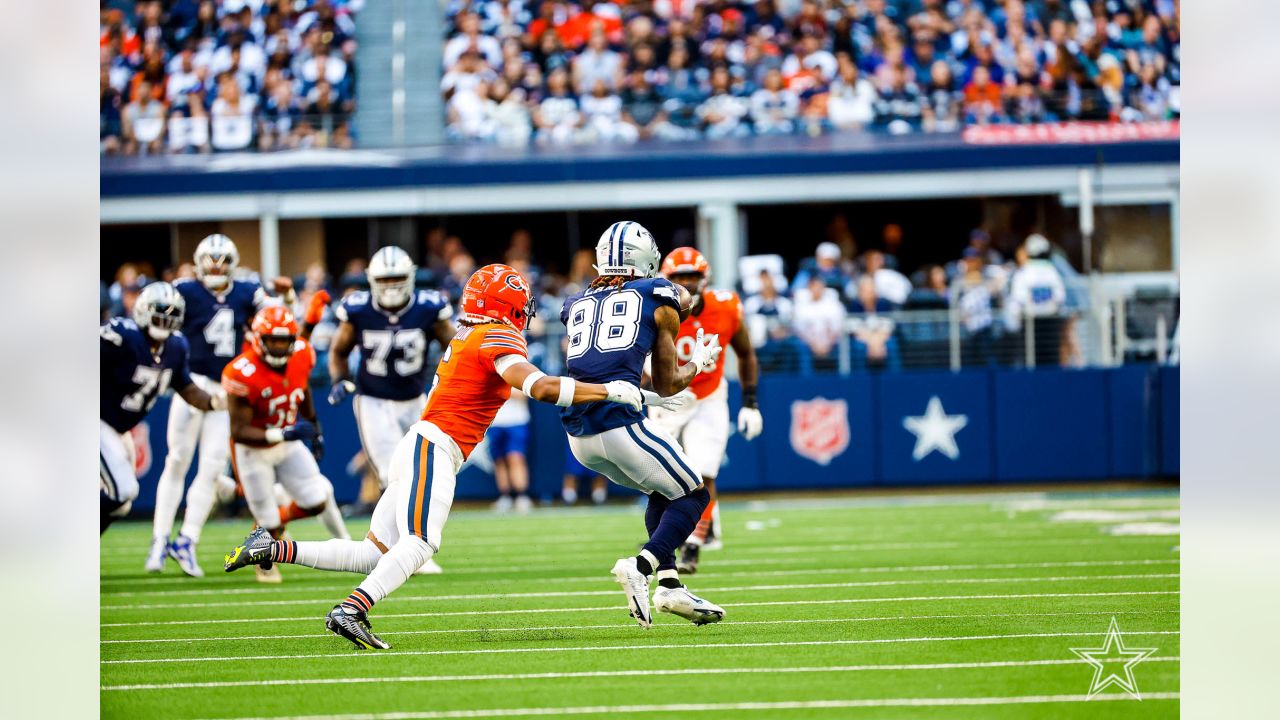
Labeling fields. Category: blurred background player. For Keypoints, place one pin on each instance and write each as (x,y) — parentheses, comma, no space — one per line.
(508,446)
(218,309)
(574,473)
(273,418)
(138,360)
(613,325)
(702,428)
(392,324)
(484,361)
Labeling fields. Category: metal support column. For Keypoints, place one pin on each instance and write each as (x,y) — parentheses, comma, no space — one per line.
(269,243)
(720,239)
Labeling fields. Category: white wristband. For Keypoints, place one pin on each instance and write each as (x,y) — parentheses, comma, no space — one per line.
(567,387)
(535,376)
(275,435)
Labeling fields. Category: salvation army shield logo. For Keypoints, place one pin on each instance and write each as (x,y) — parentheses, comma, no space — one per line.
(820,429)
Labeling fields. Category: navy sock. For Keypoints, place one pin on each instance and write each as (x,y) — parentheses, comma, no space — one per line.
(653,513)
(677,522)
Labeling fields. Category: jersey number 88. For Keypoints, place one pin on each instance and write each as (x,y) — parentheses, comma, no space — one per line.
(609,325)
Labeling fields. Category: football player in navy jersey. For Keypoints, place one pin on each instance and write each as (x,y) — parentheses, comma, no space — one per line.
(218,309)
(392,324)
(624,315)
(139,360)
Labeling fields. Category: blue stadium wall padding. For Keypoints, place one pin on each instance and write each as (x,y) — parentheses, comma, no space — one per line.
(1051,424)
(955,440)
(1135,428)
(819,432)
(830,431)
(1170,406)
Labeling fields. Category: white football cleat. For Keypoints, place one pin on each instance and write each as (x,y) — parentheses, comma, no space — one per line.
(270,575)
(431,567)
(183,550)
(157,555)
(523,505)
(713,544)
(636,585)
(679,601)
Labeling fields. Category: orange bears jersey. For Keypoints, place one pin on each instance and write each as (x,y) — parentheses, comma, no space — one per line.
(274,395)
(467,391)
(721,315)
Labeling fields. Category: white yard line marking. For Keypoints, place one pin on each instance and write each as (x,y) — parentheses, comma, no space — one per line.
(596,593)
(615,648)
(611,608)
(609,673)
(659,626)
(706,573)
(742,706)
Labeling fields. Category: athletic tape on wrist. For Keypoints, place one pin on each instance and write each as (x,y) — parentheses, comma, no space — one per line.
(567,387)
(527,387)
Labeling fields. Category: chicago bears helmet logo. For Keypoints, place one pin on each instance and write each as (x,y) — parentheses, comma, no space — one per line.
(820,429)
(515,282)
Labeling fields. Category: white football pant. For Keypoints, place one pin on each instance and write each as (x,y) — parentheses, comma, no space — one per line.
(701,429)
(641,456)
(116,476)
(381,424)
(187,427)
(291,464)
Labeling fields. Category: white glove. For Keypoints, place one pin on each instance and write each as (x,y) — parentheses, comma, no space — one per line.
(675,403)
(621,391)
(750,423)
(218,401)
(706,348)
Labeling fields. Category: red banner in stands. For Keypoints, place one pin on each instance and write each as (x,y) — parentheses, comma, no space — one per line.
(1070,132)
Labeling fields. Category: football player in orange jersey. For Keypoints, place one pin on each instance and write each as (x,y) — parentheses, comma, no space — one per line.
(486,358)
(267,391)
(703,428)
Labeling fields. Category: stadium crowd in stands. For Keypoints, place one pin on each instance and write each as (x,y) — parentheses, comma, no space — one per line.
(562,71)
(184,76)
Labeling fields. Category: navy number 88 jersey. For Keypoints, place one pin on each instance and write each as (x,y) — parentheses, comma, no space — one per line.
(214,324)
(611,330)
(393,346)
(132,378)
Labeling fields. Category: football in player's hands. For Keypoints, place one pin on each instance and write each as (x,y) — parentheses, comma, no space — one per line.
(686,302)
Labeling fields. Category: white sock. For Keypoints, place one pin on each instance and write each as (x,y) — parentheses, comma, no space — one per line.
(569,495)
(358,556)
(331,518)
(168,496)
(200,498)
(403,559)
(599,495)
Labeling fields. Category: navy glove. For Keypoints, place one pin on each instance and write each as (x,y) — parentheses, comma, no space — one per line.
(301,430)
(340,391)
(317,447)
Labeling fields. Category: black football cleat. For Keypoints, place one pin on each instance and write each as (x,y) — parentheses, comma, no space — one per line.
(354,626)
(255,550)
(688,562)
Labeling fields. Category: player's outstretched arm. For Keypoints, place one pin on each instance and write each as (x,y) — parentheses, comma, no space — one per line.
(670,378)
(202,400)
(750,422)
(344,340)
(563,391)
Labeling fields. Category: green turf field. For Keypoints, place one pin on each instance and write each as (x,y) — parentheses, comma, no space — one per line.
(923,606)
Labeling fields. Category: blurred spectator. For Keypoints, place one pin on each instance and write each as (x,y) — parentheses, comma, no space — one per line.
(1037,291)
(819,320)
(851,103)
(722,113)
(231,116)
(597,63)
(143,122)
(557,118)
(773,107)
(602,110)
(826,266)
(983,102)
(943,100)
(871,330)
(975,298)
(890,285)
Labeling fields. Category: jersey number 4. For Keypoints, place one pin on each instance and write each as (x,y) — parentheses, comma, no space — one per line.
(220,333)
(609,324)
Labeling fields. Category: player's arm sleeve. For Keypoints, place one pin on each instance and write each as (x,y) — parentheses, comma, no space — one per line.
(499,343)
(234,382)
(665,292)
(341,312)
(183,371)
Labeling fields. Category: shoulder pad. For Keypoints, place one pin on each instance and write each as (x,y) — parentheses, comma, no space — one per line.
(356,299)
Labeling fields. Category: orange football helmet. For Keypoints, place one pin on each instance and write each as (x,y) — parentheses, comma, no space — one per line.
(498,292)
(687,261)
(274,321)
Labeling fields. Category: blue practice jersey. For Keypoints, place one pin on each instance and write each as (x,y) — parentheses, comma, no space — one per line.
(215,324)
(611,330)
(393,346)
(132,378)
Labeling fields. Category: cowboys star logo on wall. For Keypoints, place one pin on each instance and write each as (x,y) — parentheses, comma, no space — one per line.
(820,429)
(935,431)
